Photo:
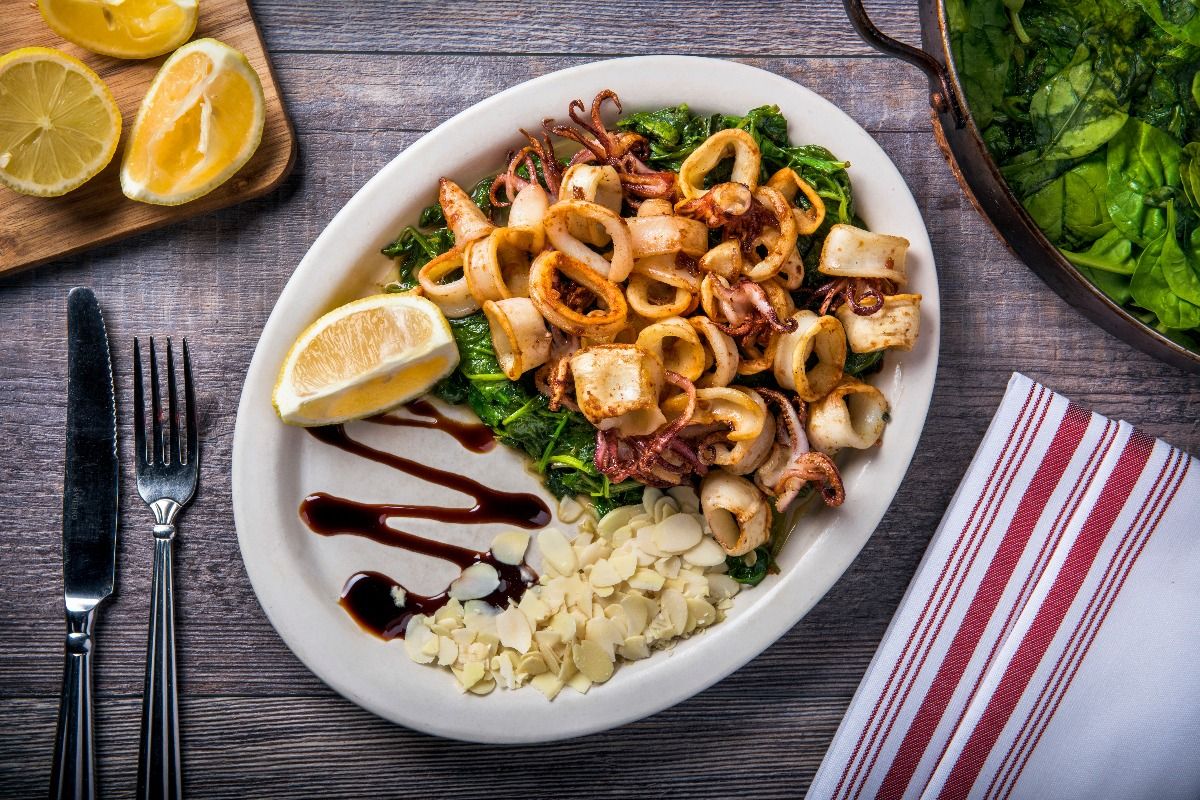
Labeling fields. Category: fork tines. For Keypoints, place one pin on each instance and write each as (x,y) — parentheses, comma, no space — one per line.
(172,441)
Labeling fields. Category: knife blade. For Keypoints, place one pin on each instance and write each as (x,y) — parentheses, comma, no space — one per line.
(91,470)
(90,490)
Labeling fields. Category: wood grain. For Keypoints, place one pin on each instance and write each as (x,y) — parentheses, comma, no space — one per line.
(34,230)
(256,722)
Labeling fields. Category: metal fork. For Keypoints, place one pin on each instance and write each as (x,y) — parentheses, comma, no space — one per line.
(168,464)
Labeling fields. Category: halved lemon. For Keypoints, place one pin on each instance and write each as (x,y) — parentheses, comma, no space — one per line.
(122,28)
(364,358)
(59,124)
(200,122)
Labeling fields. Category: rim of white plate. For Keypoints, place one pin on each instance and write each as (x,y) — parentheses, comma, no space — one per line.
(346,254)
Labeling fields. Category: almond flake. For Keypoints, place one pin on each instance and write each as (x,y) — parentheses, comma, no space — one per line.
(557,552)
(510,547)
(603,574)
(705,554)
(676,533)
(513,628)
(592,661)
(476,581)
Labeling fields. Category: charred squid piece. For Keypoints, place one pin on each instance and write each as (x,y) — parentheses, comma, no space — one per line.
(676,344)
(747,162)
(545,290)
(789,184)
(895,326)
(453,297)
(717,207)
(852,415)
(559,220)
(512,183)
(792,464)
(617,387)
(465,219)
(519,335)
(736,511)
(819,335)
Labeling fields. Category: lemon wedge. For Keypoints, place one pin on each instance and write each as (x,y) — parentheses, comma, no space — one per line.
(364,358)
(200,122)
(122,28)
(59,124)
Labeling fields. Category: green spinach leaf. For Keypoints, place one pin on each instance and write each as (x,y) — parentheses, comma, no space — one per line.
(1143,176)
(1079,109)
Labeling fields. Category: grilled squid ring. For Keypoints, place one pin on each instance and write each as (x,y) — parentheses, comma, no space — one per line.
(851,252)
(497,267)
(676,344)
(851,415)
(755,357)
(617,386)
(558,229)
(602,323)
(791,274)
(725,260)
(720,354)
(736,512)
(747,161)
(895,326)
(596,184)
(788,183)
(465,219)
(667,269)
(823,336)
(656,300)
(527,211)
(519,335)
(743,412)
(663,234)
(655,207)
(453,298)
(783,244)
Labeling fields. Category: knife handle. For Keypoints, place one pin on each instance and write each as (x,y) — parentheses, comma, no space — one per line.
(160,776)
(73,776)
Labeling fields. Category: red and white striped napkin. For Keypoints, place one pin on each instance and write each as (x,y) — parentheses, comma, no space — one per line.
(1049,644)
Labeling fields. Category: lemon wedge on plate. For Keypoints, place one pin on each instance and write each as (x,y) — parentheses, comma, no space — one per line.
(200,122)
(364,358)
(59,124)
(122,28)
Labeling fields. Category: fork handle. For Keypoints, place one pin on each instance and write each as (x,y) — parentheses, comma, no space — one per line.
(73,776)
(159,774)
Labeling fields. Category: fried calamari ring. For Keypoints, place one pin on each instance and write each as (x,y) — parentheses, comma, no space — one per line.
(788,183)
(820,335)
(603,323)
(519,335)
(671,269)
(747,161)
(453,298)
(558,222)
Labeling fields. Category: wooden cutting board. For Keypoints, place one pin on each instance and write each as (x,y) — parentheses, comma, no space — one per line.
(34,230)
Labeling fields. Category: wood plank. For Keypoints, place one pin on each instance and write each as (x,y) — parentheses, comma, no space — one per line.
(545,27)
(256,722)
(34,230)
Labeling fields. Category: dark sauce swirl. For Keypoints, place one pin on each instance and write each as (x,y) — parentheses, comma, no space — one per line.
(370,597)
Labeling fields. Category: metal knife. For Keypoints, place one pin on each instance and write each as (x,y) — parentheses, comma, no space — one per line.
(89,534)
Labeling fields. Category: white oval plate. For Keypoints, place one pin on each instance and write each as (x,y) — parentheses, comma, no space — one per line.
(298,575)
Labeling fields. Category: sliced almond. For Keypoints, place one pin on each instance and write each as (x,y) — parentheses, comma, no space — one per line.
(676,534)
(514,631)
(592,661)
(557,552)
(510,547)
(476,581)
(706,554)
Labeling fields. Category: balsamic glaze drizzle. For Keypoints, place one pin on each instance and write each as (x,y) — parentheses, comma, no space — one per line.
(370,597)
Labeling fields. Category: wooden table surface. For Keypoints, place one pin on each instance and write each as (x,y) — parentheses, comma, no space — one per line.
(362,80)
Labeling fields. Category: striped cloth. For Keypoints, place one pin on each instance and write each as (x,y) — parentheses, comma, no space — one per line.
(1049,644)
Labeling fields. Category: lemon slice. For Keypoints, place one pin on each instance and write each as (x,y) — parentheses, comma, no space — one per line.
(122,28)
(200,122)
(59,124)
(364,358)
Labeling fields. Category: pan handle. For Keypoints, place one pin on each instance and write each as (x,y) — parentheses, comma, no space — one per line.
(942,98)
